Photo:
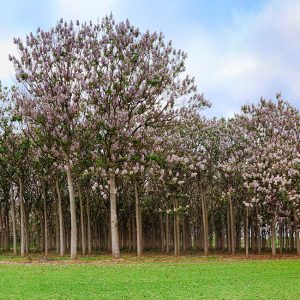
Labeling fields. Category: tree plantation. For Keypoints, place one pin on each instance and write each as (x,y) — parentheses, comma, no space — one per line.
(104,147)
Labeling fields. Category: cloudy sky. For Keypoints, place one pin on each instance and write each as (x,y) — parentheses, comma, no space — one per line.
(238,50)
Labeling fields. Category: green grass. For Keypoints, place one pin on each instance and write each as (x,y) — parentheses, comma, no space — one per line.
(151,278)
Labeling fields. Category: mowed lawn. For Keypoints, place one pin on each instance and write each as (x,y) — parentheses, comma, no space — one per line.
(192,279)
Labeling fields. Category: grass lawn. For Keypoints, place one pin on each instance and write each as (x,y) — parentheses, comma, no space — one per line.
(150,278)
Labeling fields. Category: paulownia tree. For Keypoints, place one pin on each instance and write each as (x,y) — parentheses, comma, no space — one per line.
(135,80)
(49,72)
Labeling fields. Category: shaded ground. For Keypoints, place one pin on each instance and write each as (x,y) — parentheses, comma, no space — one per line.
(150,277)
(131,258)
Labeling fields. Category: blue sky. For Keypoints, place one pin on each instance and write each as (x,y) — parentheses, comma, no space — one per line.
(238,50)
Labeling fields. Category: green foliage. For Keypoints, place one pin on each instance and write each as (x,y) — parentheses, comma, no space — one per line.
(160,160)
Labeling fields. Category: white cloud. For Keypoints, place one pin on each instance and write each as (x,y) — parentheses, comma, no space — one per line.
(258,55)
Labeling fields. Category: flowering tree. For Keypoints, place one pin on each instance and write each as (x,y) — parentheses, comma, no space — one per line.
(272,169)
(134,83)
(50,99)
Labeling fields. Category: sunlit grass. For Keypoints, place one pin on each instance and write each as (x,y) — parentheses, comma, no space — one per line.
(148,277)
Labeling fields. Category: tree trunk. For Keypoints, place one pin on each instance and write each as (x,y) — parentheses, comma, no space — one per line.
(89,237)
(73,213)
(57,243)
(280,238)
(247,232)
(13,213)
(45,217)
(115,247)
(83,240)
(176,230)
(183,235)
(167,234)
(133,232)
(61,221)
(228,231)
(22,214)
(138,216)
(273,242)
(232,227)
(205,221)
(193,237)
(162,234)
(258,239)
(297,231)
(129,228)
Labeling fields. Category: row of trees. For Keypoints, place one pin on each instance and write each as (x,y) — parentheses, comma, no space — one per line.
(103,147)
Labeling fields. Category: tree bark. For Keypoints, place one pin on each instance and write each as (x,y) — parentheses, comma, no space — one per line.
(13,213)
(183,235)
(138,217)
(228,231)
(83,240)
(22,221)
(73,251)
(297,231)
(115,247)
(45,216)
(176,231)
(89,236)
(61,221)
(273,242)
(26,230)
(232,227)
(247,232)
(167,234)
(205,221)
(280,238)
(258,239)
(162,233)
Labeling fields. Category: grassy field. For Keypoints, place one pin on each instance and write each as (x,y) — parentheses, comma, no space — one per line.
(150,277)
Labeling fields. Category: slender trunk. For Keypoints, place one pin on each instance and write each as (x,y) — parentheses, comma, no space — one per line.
(138,216)
(228,231)
(273,237)
(291,239)
(89,238)
(83,240)
(129,228)
(115,247)
(13,208)
(57,243)
(176,230)
(232,227)
(175,234)
(205,221)
(280,238)
(297,231)
(26,230)
(247,232)
(73,213)
(162,234)
(193,237)
(167,234)
(183,235)
(38,236)
(61,221)
(133,232)
(258,240)
(22,213)
(45,217)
